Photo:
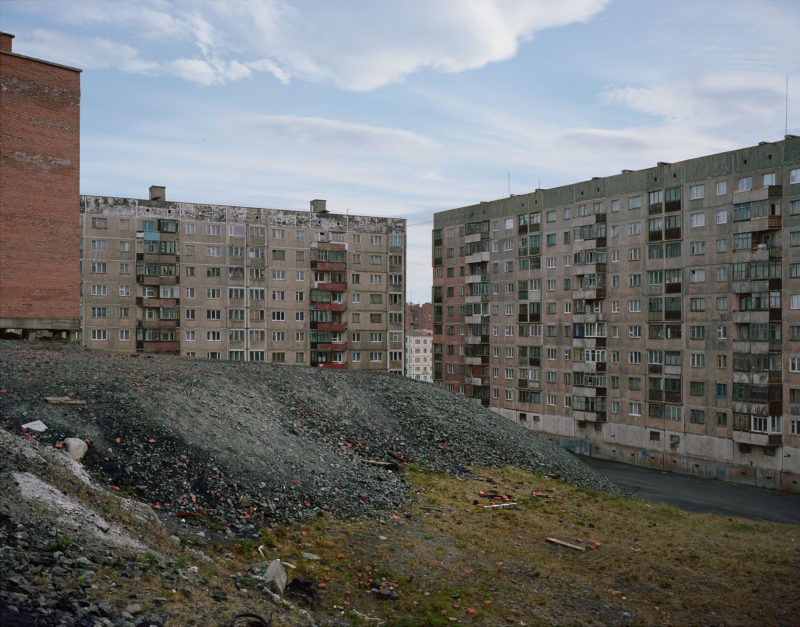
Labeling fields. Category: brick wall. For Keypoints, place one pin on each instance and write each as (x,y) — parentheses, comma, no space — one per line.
(39,204)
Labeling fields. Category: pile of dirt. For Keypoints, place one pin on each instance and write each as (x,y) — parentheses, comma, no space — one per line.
(235,446)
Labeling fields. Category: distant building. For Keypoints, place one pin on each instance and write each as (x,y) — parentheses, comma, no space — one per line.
(244,284)
(39,197)
(419,355)
(651,317)
(419,316)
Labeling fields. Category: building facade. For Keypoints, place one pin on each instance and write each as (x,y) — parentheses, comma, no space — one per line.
(39,179)
(651,317)
(419,355)
(419,316)
(244,284)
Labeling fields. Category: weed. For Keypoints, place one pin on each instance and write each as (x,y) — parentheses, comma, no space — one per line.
(62,544)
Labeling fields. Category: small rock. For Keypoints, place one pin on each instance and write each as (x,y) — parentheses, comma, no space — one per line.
(275,577)
(75,448)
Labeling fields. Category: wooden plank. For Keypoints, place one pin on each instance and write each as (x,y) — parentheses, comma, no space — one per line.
(63,400)
(512,504)
(567,544)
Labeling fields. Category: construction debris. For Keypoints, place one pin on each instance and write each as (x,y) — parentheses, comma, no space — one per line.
(574,547)
(63,400)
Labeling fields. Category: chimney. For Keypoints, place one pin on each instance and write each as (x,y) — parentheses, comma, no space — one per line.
(158,192)
(318,206)
(5,42)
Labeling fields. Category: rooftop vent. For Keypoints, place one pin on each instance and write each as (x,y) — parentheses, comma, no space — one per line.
(158,192)
(318,206)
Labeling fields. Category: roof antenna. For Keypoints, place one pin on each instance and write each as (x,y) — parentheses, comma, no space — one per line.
(509,182)
(786,121)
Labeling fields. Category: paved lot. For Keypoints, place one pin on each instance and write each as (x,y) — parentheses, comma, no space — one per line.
(695,494)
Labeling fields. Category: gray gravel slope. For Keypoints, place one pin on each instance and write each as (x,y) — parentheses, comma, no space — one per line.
(242,444)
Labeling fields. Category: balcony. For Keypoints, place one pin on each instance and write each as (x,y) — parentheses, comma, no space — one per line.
(332,287)
(330,307)
(157,347)
(146,279)
(477,257)
(476,361)
(332,267)
(758,439)
(333,327)
(158,324)
(476,278)
(473,319)
(477,339)
(589,416)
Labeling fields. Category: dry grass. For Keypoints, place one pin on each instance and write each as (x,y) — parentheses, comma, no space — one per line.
(655,565)
(454,562)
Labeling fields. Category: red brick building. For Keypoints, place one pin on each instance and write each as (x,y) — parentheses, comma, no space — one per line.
(419,317)
(40,197)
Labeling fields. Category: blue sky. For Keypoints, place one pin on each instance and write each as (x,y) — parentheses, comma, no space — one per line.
(404,108)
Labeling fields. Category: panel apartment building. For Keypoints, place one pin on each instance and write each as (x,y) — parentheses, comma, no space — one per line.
(651,317)
(245,284)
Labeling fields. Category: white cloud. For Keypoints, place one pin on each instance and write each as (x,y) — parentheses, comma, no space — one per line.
(331,135)
(356,46)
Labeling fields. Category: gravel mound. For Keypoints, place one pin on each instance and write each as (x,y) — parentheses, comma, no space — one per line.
(232,446)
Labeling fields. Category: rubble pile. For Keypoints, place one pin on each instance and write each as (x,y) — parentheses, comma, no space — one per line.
(231,446)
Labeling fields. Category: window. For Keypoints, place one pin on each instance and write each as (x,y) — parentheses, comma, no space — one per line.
(697,388)
(697,219)
(635,331)
(768,179)
(99,334)
(635,409)
(376,240)
(634,305)
(277,316)
(745,184)
(634,202)
(697,191)
(697,276)
(794,208)
(213,229)
(697,416)
(697,332)
(722,188)
(722,216)
(634,357)
(634,228)
(99,312)
(698,248)
(794,176)
(99,223)
(213,314)
(99,267)
(213,336)
(279,275)
(634,254)
(698,360)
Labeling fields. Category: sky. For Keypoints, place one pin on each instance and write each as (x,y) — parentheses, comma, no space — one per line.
(408,107)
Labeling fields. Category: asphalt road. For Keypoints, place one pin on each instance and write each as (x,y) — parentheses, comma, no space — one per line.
(696,494)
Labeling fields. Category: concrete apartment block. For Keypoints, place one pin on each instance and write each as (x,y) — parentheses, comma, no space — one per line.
(651,317)
(244,284)
(419,354)
(39,178)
